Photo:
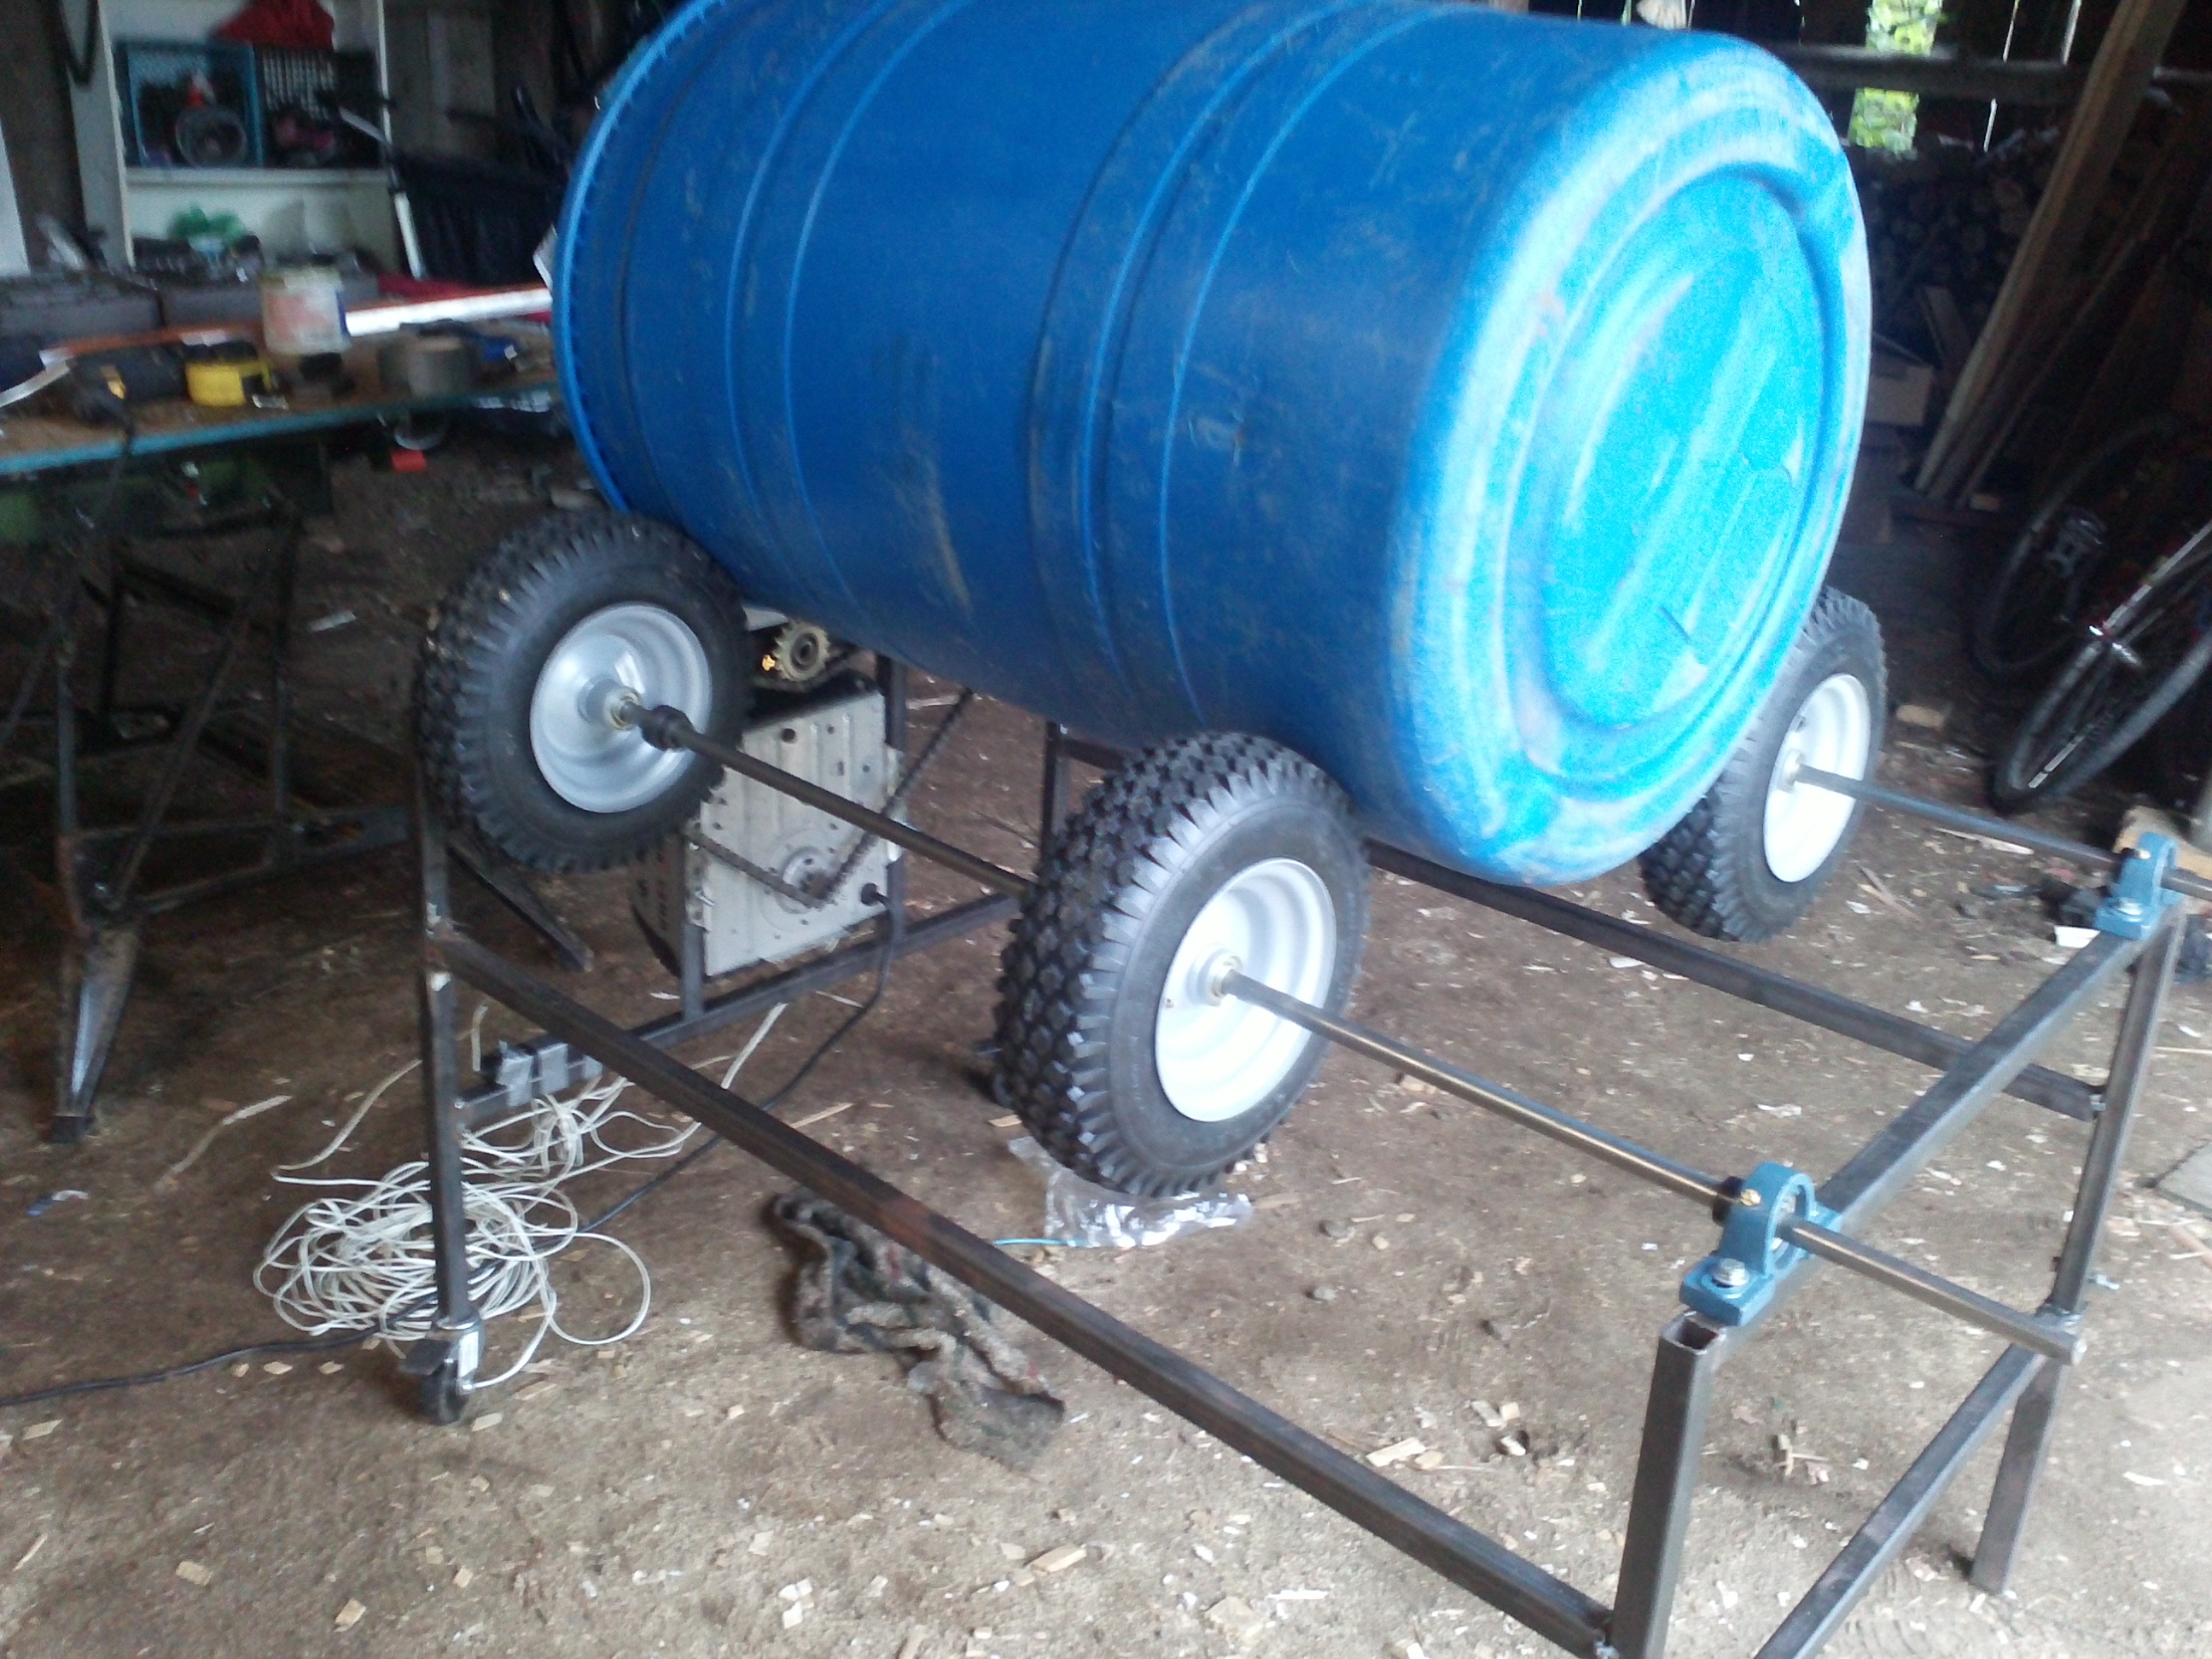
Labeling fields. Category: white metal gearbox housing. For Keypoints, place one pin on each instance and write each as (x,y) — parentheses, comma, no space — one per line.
(838,744)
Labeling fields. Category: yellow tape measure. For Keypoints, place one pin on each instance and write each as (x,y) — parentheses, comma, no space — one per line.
(227,376)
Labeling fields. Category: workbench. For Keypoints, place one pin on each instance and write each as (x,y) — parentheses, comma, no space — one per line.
(242,479)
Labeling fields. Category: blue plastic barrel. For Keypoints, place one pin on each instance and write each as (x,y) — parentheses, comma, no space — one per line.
(1466,400)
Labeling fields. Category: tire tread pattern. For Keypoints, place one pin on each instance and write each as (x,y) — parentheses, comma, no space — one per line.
(473,634)
(1101,876)
(1696,872)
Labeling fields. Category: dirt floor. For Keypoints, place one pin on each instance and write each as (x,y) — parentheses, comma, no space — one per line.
(709,1487)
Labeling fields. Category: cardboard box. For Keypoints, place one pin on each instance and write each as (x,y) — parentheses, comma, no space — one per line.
(1897,392)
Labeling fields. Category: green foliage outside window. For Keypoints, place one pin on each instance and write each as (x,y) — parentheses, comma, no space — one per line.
(1882,119)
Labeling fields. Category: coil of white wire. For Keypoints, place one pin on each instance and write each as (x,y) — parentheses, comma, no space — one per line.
(360,1255)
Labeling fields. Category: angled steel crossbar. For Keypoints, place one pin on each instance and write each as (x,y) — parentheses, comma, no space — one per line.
(1806,1224)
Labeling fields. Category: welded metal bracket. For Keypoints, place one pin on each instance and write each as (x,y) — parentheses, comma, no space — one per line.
(1732,1285)
(2140,895)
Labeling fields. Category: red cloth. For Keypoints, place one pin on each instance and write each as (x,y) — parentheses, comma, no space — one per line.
(300,24)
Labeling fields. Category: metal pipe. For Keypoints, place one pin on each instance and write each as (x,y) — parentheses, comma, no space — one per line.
(1667,1461)
(2043,1336)
(1975,823)
(1899,1515)
(1880,1167)
(1568,1131)
(1548,1605)
(1875,1027)
(668,728)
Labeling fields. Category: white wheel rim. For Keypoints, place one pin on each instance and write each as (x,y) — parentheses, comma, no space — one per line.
(1833,731)
(1217,1057)
(625,652)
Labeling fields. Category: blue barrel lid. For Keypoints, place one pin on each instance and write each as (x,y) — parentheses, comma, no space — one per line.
(1641,441)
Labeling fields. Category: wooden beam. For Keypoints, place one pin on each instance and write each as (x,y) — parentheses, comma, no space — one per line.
(2110,95)
(1846,69)
(2027,82)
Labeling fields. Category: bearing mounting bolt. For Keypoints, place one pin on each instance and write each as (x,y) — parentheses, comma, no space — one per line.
(1730,1274)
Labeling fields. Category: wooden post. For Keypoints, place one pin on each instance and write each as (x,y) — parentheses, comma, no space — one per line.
(2110,98)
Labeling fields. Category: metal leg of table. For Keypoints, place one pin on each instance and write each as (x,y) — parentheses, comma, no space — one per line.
(2028,1441)
(97,967)
(105,915)
(96,982)
(1666,1483)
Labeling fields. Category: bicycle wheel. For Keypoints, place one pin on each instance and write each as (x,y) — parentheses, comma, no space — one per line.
(2136,665)
(2027,619)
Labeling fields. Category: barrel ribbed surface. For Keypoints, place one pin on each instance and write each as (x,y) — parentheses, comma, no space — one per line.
(1466,400)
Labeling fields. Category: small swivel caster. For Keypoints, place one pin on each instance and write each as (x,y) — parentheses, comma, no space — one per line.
(441,1368)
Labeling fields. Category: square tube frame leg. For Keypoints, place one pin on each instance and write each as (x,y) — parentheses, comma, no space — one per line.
(445,1361)
(1667,1466)
(2027,1443)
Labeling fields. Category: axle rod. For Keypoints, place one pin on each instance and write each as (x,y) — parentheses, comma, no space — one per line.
(2039,1334)
(1989,828)
(668,728)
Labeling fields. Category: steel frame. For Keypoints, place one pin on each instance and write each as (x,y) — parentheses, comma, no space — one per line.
(1691,1348)
(102,870)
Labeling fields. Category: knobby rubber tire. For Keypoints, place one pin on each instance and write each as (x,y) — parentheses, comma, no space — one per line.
(1710,872)
(487,644)
(1115,891)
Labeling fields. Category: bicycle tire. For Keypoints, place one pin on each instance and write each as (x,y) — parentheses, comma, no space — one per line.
(2023,624)
(2103,704)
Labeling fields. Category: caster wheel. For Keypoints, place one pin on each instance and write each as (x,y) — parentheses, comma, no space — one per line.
(529,664)
(439,1396)
(1754,852)
(1113,1047)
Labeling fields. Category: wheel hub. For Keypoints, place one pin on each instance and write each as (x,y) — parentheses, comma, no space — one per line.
(1833,731)
(1217,1056)
(613,663)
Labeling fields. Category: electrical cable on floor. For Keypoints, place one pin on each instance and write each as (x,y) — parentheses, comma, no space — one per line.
(362,1265)
(361,1258)
(252,1351)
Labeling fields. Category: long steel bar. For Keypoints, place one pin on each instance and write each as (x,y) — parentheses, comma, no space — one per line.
(1548,1122)
(667,728)
(1989,828)
(2044,1336)
(1869,1180)
(1908,1140)
(2020,1469)
(1875,1027)
(1555,1609)
(1899,1516)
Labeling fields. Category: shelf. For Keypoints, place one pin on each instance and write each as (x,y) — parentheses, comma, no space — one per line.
(251,178)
